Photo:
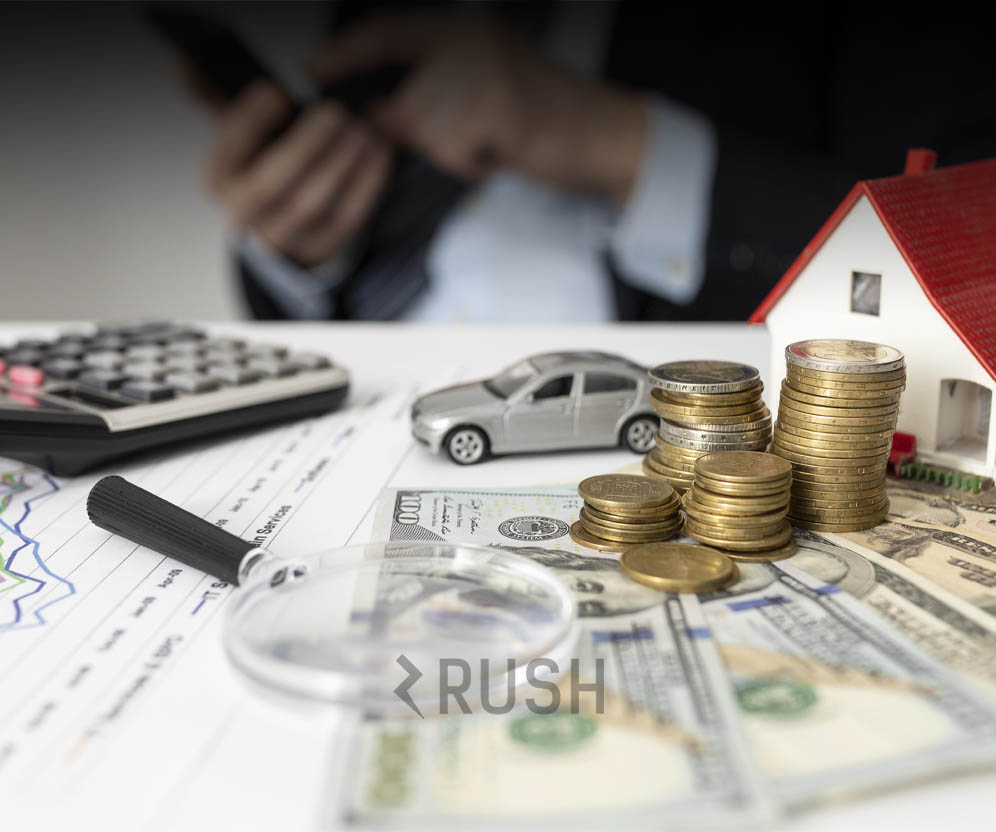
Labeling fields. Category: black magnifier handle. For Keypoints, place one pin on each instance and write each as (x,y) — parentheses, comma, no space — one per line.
(125,509)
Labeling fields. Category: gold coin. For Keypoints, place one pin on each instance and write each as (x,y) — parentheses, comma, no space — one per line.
(844,355)
(581,536)
(810,423)
(743,466)
(850,444)
(802,505)
(677,483)
(646,521)
(654,515)
(679,567)
(655,461)
(840,493)
(612,491)
(805,479)
(823,436)
(825,378)
(836,515)
(879,414)
(802,387)
(719,427)
(840,528)
(712,399)
(835,465)
(754,419)
(703,514)
(701,376)
(647,530)
(736,506)
(822,453)
(772,542)
(837,401)
(735,534)
(606,533)
(780,553)
(660,402)
(742,489)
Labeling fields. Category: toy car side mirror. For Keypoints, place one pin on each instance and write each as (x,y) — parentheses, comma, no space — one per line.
(530,398)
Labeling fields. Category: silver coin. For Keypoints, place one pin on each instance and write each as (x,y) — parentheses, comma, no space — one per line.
(705,376)
(758,424)
(711,447)
(726,433)
(844,356)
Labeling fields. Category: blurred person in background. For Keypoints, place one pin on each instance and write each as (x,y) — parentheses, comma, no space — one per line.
(579,161)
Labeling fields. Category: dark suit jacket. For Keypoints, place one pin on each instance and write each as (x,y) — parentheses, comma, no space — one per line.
(803,110)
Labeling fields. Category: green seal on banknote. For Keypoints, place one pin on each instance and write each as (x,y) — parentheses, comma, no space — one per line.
(553,732)
(775,697)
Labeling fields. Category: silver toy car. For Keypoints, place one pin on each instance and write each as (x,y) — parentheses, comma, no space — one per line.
(546,402)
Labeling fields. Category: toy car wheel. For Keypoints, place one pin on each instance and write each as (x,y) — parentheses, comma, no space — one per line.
(467,445)
(638,435)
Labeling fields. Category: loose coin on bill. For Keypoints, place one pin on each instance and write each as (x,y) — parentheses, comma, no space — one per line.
(679,567)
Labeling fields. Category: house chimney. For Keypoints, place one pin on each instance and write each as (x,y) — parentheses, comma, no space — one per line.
(919,160)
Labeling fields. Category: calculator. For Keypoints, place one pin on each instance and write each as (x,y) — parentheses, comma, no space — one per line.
(82,399)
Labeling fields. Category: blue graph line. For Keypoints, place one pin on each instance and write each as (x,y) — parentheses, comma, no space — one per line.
(34,547)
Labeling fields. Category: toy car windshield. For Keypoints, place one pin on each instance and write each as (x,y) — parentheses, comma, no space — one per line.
(507,382)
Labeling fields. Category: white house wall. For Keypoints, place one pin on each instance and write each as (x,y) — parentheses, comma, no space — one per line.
(818,305)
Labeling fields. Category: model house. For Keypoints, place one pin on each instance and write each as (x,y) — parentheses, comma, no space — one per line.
(908,261)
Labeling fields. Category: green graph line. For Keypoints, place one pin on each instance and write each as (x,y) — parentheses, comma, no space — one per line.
(8,580)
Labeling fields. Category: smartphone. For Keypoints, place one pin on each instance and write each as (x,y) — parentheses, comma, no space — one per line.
(228,65)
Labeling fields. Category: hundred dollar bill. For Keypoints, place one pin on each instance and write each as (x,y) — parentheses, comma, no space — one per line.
(953,631)
(663,739)
(947,540)
(834,699)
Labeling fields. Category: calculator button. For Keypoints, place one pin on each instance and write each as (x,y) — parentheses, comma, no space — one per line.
(310,360)
(108,342)
(32,344)
(222,355)
(145,390)
(235,344)
(25,375)
(68,349)
(184,348)
(104,359)
(266,351)
(32,357)
(192,382)
(185,364)
(145,352)
(144,370)
(107,379)
(63,368)
(273,367)
(233,374)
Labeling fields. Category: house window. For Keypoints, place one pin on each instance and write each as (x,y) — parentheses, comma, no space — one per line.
(866,291)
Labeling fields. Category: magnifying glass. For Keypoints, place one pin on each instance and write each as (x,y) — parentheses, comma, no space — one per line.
(351,626)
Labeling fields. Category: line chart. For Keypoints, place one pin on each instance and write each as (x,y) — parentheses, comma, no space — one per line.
(24,572)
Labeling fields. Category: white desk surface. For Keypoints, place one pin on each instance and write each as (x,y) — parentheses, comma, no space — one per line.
(385,358)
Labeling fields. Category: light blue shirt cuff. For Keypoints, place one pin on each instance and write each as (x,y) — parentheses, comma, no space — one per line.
(303,294)
(659,239)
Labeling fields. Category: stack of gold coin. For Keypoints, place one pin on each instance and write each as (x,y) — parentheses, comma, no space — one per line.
(836,416)
(739,503)
(705,406)
(623,510)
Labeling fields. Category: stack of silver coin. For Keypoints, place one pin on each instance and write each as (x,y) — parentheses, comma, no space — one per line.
(705,407)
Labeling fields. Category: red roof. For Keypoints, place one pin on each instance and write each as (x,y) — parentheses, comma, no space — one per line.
(943,222)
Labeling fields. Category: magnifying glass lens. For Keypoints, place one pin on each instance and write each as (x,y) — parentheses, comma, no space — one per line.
(348,626)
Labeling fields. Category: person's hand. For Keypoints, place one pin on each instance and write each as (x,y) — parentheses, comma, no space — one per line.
(479,99)
(308,192)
